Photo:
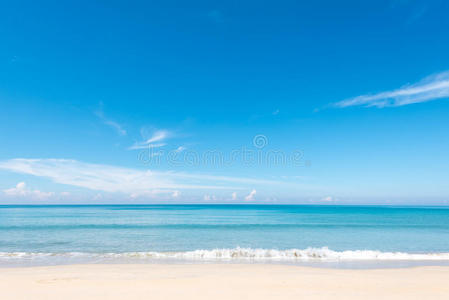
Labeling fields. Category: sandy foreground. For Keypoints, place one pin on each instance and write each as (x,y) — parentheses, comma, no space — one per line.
(220,281)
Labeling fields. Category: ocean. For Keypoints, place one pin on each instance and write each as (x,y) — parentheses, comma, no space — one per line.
(335,236)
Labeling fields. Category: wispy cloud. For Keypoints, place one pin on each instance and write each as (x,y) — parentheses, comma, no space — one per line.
(125,180)
(116,126)
(430,88)
(154,141)
(251,196)
(21,190)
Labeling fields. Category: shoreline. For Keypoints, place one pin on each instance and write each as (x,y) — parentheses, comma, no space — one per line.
(220,281)
(337,265)
(302,257)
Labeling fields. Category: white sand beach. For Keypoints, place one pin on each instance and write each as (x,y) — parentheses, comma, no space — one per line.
(220,281)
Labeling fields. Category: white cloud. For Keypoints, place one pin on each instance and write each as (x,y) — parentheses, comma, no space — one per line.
(118,128)
(234,196)
(208,197)
(118,179)
(430,88)
(328,199)
(156,194)
(215,178)
(21,190)
(251,196)
(158,136)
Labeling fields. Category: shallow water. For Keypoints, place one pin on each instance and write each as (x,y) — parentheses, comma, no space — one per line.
(326,235)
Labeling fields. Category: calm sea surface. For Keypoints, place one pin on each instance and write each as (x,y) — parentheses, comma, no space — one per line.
(223,232)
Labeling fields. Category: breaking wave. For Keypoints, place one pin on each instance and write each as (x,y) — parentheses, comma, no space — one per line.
(309,254)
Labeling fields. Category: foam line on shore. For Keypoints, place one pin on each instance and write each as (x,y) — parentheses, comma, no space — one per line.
(320,254)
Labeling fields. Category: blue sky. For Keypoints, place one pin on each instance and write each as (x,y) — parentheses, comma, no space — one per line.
(224,102)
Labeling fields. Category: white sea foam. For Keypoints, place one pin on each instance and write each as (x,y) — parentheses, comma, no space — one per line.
(309,254)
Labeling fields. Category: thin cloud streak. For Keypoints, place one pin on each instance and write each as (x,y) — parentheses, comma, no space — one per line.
(118,179)
(116,126)
(138,146)
(428,89)
(158,136)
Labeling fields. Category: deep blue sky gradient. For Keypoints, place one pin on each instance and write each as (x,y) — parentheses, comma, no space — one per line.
(217,73)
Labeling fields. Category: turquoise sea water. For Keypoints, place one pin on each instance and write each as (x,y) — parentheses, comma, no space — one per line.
(58,234)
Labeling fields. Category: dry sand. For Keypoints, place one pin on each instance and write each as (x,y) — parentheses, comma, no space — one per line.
(220,281)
